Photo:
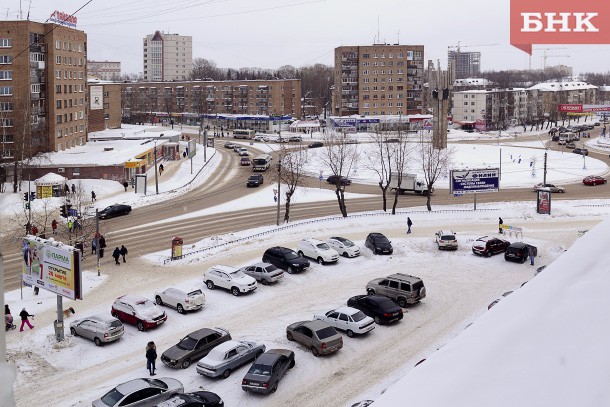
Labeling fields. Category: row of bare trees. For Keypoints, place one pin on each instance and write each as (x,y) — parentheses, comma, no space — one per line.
(392,156)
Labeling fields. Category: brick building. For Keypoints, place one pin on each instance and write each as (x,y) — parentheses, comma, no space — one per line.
(43,99)
(379,79)
(143,101)
(105,105)
(104,70)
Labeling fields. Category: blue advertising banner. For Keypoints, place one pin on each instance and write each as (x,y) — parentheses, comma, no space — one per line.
(471,181)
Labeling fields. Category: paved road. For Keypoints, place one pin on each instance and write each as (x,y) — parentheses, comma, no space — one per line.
(227,184)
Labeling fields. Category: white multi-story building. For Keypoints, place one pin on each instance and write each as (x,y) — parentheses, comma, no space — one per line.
(168,57)
(104,70)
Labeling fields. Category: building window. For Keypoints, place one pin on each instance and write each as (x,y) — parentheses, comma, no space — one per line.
(58,60)
(6,59)
(35,88)
(6,122)
(80,114)
(82,127)
(6,75)
(6,90)
(58,119)
(6,106)
(58,103)
(375,56)
(57,88)
(6,42)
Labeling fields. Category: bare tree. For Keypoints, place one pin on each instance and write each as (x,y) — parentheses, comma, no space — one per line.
(381,162)
(400,159)
(340,156)
(434,162)
(206,69)
(291,173)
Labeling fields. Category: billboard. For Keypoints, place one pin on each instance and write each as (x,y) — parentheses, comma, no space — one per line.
(543,202)
(51,265)
(191,150)
(97,97)
(61,18)
(471,181)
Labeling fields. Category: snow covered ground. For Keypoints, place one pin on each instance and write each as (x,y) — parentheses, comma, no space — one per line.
(460,285)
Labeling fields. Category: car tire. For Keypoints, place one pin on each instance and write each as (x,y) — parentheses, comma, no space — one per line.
(402,303)
(210,284)
(274,389)
(345,254)
(377,320)
(97,341)
(235,291)
(141,326)
(370,292)
(290,270)
(350,333)
(226,374)
(185,364)
(158,300)
(115,315)
(561,191)
(73,332)
(314,351)
(289,336)
(180,309)
(291,365)
(320,260)
(489,253)
(264,282)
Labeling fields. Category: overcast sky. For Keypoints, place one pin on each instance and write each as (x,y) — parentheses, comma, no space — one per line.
(272,33)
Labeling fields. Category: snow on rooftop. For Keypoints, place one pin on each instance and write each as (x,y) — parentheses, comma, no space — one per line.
(558,86)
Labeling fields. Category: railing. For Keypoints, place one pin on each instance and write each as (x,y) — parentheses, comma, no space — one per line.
(314,221)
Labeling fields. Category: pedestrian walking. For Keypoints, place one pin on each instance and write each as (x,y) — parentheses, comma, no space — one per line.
(93,196)
(125,185)
(93,245)
(409,224)
(500,223)
(533,252)
(151,357)
(77,224)
(24,319)
(66,189)
(54,226)
(73,188)
(123,252)
(80,245)
(34,230)
(70,225)
(116,254)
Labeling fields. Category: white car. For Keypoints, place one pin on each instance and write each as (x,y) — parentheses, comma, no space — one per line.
(180,300)
(445,239)
(243,152)
(348,319)
(261,137)
(343,246)
(317,249)
(229,278)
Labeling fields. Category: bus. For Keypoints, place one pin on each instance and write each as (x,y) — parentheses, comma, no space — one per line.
(243,133)
(261,162)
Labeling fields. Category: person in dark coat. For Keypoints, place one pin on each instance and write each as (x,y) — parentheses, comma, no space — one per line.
(93,196)
(24,319)
(93,245)
(123,253)
(409,224)
(500,223)
(54,226)
(532,251)
(116,254)
(34,230)
(151,357)
(66,189)
(73,188)
(125,185)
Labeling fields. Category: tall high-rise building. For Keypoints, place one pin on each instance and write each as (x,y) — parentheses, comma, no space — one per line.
(379,79)
(168,57)
(467,64)
(43,99)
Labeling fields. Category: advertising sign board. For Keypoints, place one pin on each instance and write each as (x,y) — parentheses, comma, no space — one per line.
(477,180)
(52,266)
(97,97)
(543,202)
(192,148)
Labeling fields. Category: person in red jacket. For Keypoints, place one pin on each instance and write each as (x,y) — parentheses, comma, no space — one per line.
(54,226)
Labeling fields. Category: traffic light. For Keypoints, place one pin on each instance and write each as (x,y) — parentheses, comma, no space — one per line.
(64,210)
(27,205)
(25,196)
(32,196)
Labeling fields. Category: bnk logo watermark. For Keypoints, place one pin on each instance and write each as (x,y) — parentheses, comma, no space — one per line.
(558,22)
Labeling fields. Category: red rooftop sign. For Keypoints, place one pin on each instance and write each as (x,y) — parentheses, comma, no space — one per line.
(558,22)
(61,18)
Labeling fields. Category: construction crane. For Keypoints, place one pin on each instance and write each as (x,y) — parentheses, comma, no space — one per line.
(458,46)
(544,56)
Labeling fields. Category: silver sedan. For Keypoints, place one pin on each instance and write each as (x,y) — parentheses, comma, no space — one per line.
(98,328)
(227,357)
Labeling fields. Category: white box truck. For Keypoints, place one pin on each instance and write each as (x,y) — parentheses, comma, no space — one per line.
(409,183)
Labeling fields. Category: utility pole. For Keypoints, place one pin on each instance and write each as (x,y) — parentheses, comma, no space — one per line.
(156,176)
(97,240)
(279,173)
(544,176)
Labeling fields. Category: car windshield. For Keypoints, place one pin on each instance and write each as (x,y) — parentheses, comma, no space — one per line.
(187,343)
(262,370)
(112,397)
(358,316)
(323,246)
(326,333)
(347,243)
(148,304)
(448,237)
(194,293)
(381,239)
(291,255)
(237,274)
(270,268)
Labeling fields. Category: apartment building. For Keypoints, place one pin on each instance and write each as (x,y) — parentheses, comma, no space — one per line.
(104,70)
(105,105)
(167,57)
(144,100)
(379,79)
(42,88)
(467,64)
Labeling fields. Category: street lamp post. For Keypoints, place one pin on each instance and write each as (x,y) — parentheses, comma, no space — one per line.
(155,159)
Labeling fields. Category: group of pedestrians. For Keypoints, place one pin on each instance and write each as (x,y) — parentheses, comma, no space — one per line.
(118,253)
(24,315)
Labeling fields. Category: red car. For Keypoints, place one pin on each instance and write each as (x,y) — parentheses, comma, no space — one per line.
(488,246)
(594,180)
(138,311)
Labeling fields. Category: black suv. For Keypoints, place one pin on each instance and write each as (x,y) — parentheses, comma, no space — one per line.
(285,259)
(114,210)
(519,252)
(378,243)
(338,180)
(380,308)
(582,151)
(254,180)
(195,399)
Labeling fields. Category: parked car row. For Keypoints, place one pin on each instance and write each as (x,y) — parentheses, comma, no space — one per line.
(488,246)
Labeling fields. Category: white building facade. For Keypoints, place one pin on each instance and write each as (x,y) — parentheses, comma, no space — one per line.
(168,57)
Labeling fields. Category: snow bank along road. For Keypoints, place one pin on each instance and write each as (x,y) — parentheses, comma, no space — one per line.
(459,286)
